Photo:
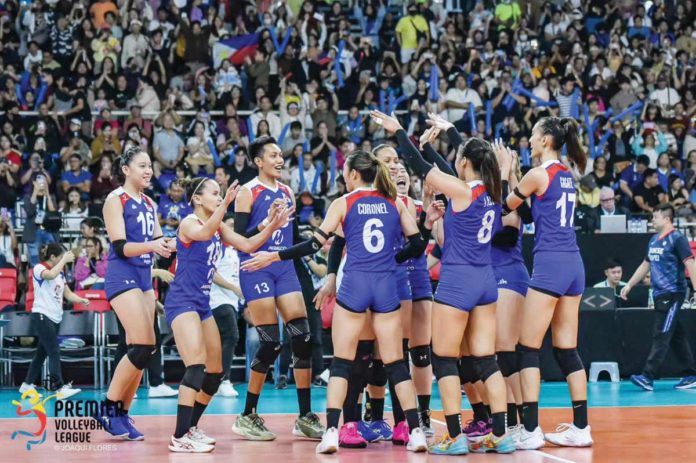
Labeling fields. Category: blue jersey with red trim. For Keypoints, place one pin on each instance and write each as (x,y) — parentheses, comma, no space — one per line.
(262,196)
(468,233)
(505,256)
(666,255)
(196,263)
(139,216)
(372,228)
(554,211)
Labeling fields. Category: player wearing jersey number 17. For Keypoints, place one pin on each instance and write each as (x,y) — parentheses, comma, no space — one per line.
(187,307)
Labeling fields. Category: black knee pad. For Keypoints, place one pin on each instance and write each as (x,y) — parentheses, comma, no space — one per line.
(194,376)
(485,366)
(269,336)
(300,342)
(397,372)
(507,361)
(444,366)
(467,372)
(341,368)
(527,357)
(211,383)
(405,348)
(377,375)
(568,359)
(420,356)
(140,354)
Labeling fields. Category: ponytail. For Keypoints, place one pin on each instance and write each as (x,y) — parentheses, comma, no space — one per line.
(50,250)
(373,171)
(490,174)
(192,186)
(383,181)
(572,143)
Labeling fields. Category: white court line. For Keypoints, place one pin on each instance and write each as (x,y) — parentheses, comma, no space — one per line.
(538,452)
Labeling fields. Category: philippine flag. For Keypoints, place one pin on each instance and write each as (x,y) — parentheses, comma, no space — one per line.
(236,48)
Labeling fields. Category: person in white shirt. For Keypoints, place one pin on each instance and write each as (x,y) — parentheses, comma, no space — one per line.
(225,295)
(665,95)
(310,175)
(47,313)
(458,99)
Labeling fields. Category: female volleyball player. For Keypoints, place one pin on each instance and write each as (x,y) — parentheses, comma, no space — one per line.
(467,224)
(131,223)
(276,286)
(187,307)
(372,223)
(557,283)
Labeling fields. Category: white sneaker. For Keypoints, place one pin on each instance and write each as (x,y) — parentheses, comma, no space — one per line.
(162,391)
(67,391)
(226,389)
(526,440)
(185,444)
(198,435)
(135,395)
(329,443)
(417,441)
(513,431)
(569,435)
(28,387)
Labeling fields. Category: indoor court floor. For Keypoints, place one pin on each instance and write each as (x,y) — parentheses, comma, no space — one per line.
(628,425)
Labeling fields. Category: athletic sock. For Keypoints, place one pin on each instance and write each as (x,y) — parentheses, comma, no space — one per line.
(396,406)
(480,412)
(424,403)
(580,413)
(252,401)
(488,410)
(499,426)
(530,415)
(332,417)
(454,425)
(304,398)
(512,414)
(412,418)
(520,415)
(198,409)
(377,408)
(183,420)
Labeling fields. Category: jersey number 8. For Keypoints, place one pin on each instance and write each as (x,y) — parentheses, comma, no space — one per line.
(373,238)
(486,231)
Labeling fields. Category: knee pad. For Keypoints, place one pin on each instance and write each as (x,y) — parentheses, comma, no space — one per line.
(269,337)
(140,354)
(508,363)
(377,375)
(405,348)
(341,368)
(485,366)
(361,365)
(568,359)
(300,342)
(397,371)
(467,372)
(194,376)
(527,357)
(211,383)
(420,356)
(444,366)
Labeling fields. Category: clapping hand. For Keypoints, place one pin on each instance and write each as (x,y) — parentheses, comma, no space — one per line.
(439,122)
(429,136)
(390,123)
(436,209)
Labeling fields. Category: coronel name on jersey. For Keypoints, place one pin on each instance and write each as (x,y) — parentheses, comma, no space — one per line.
(371,209)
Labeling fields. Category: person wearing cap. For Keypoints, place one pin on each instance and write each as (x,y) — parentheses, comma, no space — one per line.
(410,30)
(588,194)
(135,45)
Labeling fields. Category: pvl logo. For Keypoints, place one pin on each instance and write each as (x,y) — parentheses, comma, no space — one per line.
(277,237)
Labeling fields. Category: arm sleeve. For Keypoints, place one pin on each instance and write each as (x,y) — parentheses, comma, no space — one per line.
(506,238)
(335,254)
(454,137)
(412,156)
(434,157)
(305,248)
(241,222)
(415,247)
(525,213)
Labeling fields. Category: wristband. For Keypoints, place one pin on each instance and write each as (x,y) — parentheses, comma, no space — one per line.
(265,222)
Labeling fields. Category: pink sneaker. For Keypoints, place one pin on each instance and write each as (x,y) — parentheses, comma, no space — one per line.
(349,437)
(400,436)
(477,429)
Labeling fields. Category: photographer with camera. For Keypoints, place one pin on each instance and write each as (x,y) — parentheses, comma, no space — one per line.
(42,220)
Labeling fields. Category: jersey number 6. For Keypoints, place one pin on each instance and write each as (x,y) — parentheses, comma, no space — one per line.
(373,238)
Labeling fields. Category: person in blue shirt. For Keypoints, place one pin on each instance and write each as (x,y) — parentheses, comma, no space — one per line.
(76,176)
(631,177)
(172,209)
(668,255)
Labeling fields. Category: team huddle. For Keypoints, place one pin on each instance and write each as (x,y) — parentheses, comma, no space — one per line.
(481,329)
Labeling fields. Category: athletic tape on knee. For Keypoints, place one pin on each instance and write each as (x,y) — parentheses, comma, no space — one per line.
(467,372)
(341,368)
(568,359)
(194,375)
(507,360)
(420,356)
(485,366)
(301,343)
(397,372)
(211,383)
(527,357)
(377,375)
(269,337)
(444,366)
(140,354)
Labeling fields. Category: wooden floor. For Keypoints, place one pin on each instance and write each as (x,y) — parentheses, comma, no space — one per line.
(650,434)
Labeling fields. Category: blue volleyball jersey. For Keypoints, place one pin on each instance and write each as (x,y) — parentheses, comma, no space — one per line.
(139,217)
(505,256)
(372,228)
(196,263)
(468,233)
(554,211)
(666,255)
(262,197)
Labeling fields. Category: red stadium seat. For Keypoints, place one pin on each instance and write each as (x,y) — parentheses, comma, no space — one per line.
(97,300)
(8,287)
(29,302)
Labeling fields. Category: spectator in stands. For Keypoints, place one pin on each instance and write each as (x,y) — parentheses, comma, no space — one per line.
(8,241)
(613,273)
(411,31)
(9,155)
(77,176)
(678,196)
(603,177)
(36,170)
(106,141)
(90,268)
(306,177)
(310,209)
(322,145)
(324,113)
(632,177)
(167,147)
(241,171)
(37,206)
(8,185)
(645,144)
(103,182)
(74,210)
(459,98)
(607,203)
(265,113)
(172,209)
(75,145)
(649,193)
(47,313)
(295,136)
